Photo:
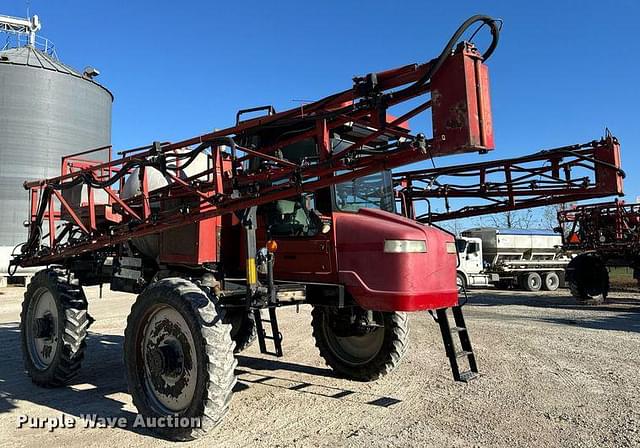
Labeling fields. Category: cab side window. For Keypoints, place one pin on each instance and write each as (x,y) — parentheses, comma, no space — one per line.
(290,217)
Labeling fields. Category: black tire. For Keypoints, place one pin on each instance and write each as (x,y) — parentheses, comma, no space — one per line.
(193,326)
(392,345)
(62,305)
(243,328)
(551,281)
(588,279)
(531,281)
(461,282)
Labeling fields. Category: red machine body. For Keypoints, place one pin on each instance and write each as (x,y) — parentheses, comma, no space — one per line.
(153,204)
(462,103)
(611,228)
(395,281)
(277,210)
(600,236)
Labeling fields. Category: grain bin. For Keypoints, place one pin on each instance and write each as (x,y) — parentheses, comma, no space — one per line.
(47,110)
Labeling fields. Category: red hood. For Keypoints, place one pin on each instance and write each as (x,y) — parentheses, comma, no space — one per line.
(394,281)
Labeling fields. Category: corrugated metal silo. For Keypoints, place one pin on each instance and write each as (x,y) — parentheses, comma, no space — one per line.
(47,110)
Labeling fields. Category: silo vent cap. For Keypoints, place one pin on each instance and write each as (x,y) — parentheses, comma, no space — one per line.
(90,72)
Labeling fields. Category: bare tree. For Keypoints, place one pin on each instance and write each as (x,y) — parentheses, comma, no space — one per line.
(523,219)
(549,215)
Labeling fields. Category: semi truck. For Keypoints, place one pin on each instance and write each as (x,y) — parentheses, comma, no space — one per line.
(510,258)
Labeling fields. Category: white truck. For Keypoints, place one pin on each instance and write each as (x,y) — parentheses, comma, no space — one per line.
(527,259)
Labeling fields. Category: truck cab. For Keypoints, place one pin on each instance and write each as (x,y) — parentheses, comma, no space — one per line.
(470,270)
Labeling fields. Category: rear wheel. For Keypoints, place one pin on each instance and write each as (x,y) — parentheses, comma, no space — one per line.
(588,279)
(531,281)
(359,345)
(179,358)
(551,281)
(53,328)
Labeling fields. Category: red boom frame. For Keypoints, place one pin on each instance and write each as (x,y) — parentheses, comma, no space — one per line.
(544,178)
(457,79)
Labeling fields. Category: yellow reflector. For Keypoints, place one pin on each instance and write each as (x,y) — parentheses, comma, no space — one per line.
(252,274)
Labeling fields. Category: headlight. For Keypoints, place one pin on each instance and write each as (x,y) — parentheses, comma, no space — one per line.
(451,247)
(404,246)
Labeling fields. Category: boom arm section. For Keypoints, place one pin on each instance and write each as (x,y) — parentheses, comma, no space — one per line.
(553,176)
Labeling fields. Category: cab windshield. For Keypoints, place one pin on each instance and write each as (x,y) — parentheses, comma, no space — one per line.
(373,191)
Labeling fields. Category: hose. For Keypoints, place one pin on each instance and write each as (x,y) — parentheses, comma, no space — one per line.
(486,20)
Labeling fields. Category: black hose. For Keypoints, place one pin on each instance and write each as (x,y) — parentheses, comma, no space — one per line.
(448,49)
(486,20)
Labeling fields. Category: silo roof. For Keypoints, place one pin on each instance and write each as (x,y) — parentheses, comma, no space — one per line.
(32,57)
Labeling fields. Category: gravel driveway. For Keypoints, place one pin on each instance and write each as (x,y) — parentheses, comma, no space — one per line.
(553,374)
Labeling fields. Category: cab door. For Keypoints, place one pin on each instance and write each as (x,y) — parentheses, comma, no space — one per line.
(304,251)
(473,261)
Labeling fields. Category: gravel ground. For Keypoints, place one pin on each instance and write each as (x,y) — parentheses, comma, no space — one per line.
(553,374)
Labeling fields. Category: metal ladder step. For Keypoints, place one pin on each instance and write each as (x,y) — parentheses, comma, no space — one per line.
(466,351)
(274,335)
(467,376)
(463,353)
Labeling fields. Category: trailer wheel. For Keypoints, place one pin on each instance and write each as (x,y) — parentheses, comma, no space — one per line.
(532,281)
(53,328)
(588,279)
(551,281)
(461,282)
(357,352)
(243,328)
(179,359)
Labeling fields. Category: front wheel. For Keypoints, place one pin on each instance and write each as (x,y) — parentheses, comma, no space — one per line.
(461,283)
(243,327)
(360,345)
(179,358)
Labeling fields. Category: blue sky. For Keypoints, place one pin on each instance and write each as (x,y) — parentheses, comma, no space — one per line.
(562,73)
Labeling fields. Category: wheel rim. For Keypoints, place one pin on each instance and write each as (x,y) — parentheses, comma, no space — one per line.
(42,329)
(534,283)
(459,283)
(169,358)
(355,350)
(552,282)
